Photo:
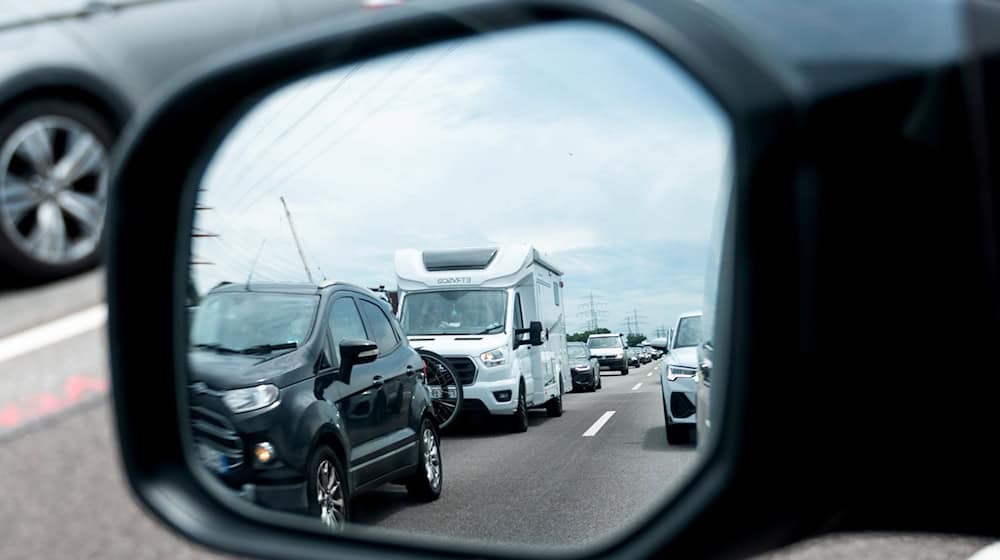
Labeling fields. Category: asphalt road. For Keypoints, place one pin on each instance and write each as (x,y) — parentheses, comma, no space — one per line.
(63,495)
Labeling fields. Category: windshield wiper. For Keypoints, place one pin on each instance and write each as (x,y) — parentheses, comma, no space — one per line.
(268,348)
(216,348)
(490,328)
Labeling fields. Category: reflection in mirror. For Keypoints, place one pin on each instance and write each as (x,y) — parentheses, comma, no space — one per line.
(426,287)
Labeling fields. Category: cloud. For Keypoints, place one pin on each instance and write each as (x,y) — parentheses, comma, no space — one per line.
(580,141)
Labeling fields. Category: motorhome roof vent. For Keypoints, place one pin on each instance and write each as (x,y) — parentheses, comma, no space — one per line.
(459,259)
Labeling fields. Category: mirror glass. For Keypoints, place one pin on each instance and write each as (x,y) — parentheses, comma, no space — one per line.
(424,286)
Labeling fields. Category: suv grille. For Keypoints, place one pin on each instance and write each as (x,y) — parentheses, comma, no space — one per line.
(680,406)
(464,367)
(217,431)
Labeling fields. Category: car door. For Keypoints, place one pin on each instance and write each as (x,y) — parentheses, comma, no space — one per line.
(522,353)
(145,43)
(355,399)
(394,370)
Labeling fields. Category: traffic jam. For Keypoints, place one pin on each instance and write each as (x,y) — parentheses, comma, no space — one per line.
(304,397)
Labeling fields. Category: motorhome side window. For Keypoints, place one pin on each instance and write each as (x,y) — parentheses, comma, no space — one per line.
(345,322)
(383,334)
(518,315)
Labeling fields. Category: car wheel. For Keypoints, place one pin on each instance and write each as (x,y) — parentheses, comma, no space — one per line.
(425,485)
(678,434)
(329,499)
(625,370)
(554,408)
(53,188)
(519,421)
(597,375)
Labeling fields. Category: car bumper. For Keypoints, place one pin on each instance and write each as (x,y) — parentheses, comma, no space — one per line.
(285,497)
(612,363)
(679,398)
(485,393)
(584,378)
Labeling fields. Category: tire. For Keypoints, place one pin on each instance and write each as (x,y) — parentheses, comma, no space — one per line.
(597,376)
(678,434)
(425,485)
(323,455)
(519,421)
(554,408)
(625,370)
(82,238)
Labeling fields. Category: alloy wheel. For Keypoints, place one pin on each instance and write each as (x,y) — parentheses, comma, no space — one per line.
(330,495)
(432,459)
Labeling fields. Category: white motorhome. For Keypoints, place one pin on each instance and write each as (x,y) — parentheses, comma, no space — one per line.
(497,315)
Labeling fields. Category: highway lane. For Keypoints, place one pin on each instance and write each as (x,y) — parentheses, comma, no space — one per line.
(550,485)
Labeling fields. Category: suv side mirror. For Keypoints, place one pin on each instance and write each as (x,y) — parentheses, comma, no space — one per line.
(354,351)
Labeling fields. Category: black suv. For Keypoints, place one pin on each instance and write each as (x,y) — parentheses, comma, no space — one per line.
(303,397)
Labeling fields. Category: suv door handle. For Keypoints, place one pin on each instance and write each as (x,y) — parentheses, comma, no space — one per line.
(377,381)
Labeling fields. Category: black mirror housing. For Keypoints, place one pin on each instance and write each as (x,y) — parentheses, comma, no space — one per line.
(355,351)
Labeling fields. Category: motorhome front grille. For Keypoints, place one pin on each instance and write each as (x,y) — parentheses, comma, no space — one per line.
(464,367)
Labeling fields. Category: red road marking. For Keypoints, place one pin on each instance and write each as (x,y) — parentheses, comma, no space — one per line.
(40,405)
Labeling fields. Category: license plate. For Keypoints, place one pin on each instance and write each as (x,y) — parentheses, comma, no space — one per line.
(213,458)
(438,392)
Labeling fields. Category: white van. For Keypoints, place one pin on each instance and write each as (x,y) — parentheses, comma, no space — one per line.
(497,315)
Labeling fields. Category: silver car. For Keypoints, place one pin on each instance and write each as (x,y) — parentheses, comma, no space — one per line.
(677,379)
(71,74)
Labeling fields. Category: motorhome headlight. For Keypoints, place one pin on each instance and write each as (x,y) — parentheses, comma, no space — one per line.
(493,357)
(250,398)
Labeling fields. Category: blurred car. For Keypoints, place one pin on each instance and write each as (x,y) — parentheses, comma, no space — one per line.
(677,379)
(610,350)
(302,397)
(644,356)
(72,72)
(585,367)
(633,357)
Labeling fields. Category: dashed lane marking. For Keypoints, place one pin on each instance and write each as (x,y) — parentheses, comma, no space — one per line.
(596,426)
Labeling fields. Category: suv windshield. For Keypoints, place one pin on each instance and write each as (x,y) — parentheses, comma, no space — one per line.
(688,332)
(252,321)
(577,351)
(605,342)
(454,312)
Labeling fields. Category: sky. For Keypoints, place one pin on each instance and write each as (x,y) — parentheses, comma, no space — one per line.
(575,137)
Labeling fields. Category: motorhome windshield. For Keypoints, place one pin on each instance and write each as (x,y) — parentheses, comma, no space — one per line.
(253,321)
(454,312)
(605,342)
(688,332)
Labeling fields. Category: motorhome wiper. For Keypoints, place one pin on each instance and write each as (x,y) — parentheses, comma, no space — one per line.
(490,328)
(268,348)
(216,348)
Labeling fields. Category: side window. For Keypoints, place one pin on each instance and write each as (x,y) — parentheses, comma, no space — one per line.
(384,336)
(518,315)
(345,322)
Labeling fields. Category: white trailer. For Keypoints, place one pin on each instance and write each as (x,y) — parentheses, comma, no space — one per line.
(497,315)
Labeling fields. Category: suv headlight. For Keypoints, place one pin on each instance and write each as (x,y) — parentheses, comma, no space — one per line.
(250,398)
(493,357)
(674,373)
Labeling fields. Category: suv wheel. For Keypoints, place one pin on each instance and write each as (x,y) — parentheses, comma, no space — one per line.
(425,485)
(328,496)
(554,408)
(53,186)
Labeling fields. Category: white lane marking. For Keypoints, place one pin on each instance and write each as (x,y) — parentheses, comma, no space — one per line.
(991,552)
(52,332)
(596,426)
(649,374)
(637,385)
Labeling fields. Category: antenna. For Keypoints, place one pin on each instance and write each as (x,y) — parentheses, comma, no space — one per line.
(254,265)
(298,245)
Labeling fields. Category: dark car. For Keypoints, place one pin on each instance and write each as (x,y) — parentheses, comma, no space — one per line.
(585,367)
(303,397)
(633,357)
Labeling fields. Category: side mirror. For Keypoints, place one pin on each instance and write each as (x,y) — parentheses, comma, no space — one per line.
(355,351)
(534,332)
